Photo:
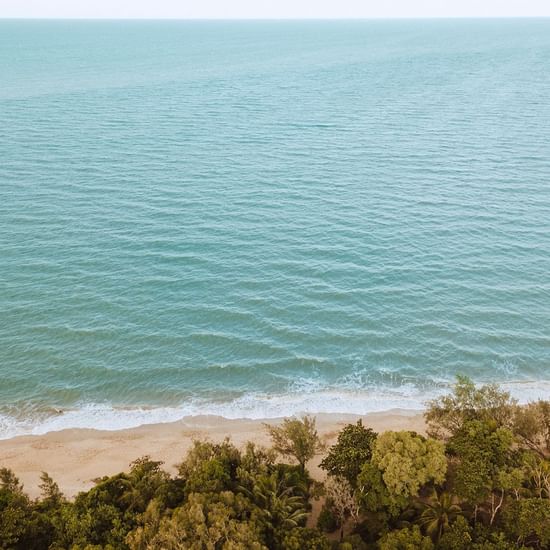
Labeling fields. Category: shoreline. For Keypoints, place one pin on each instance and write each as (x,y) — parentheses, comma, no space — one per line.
(75,457)
(340,401)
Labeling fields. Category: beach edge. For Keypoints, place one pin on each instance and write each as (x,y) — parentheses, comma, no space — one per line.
(75,457)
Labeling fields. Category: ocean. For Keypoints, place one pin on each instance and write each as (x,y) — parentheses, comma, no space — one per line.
(256,219)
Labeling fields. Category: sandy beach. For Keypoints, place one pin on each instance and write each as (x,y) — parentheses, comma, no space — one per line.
(74,458)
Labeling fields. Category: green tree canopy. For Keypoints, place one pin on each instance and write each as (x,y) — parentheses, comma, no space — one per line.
(408,461)
(457,537)
(483,451)
(532,427)
(528,521)
(438,513)
(296,438)
(445,415)
(373,494)
(352,449)
(207,521)
(409,538)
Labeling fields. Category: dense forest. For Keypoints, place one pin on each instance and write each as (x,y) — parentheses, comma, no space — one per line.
(480,480)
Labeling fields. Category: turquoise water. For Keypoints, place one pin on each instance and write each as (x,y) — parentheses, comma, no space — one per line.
(262,218)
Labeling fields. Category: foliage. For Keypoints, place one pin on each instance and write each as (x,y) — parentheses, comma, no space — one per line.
(301,538)
(278,505)
(532,427)
(537,471)
(353,542)
(208,522)
(14,508)
(105,514)
(445,415)
(351,451)
(409,538)
(486,487)
(485,537)
(373,493)
(528,520)
(210,467)
(409,461)
(438,513)
(327,521)
(343,500)
(483,451)
(458,536)
(296,439)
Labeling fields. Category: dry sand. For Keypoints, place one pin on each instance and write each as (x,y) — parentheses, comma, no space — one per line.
(74,458)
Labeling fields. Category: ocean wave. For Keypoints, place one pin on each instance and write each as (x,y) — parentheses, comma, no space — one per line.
(310,399)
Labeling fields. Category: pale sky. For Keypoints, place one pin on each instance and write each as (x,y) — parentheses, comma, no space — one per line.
(238,9)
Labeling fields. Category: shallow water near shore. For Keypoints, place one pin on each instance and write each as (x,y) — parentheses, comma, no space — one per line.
(255,219)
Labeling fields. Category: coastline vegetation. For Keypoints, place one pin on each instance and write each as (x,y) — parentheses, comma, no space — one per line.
(480,480)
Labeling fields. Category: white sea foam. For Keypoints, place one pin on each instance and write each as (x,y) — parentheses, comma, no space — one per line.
(252,406)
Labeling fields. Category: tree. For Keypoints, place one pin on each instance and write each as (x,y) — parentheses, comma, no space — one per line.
(538,471)
(145,479)
(409,538)
(109,511)
(528,521)
(10,483)
(374,496)
(52,497)
(408,461)
(296,438)
(457,537)
(532,427)
(438,514)
(486,539)
(227,499)
(483,452)
(302,538)
(208,521)
(351,451)
(445,415)
(14,511)
(327,522)
(142,537)
(343,501)
(210,467)
(277,503)
(507,480)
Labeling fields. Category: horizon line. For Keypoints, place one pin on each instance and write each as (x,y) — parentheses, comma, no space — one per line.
(275,19)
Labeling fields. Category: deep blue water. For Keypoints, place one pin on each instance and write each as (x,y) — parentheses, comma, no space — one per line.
(258,218)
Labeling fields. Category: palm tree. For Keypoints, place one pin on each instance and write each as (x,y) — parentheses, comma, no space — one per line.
(439,512)
(279,509)
(277,501)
